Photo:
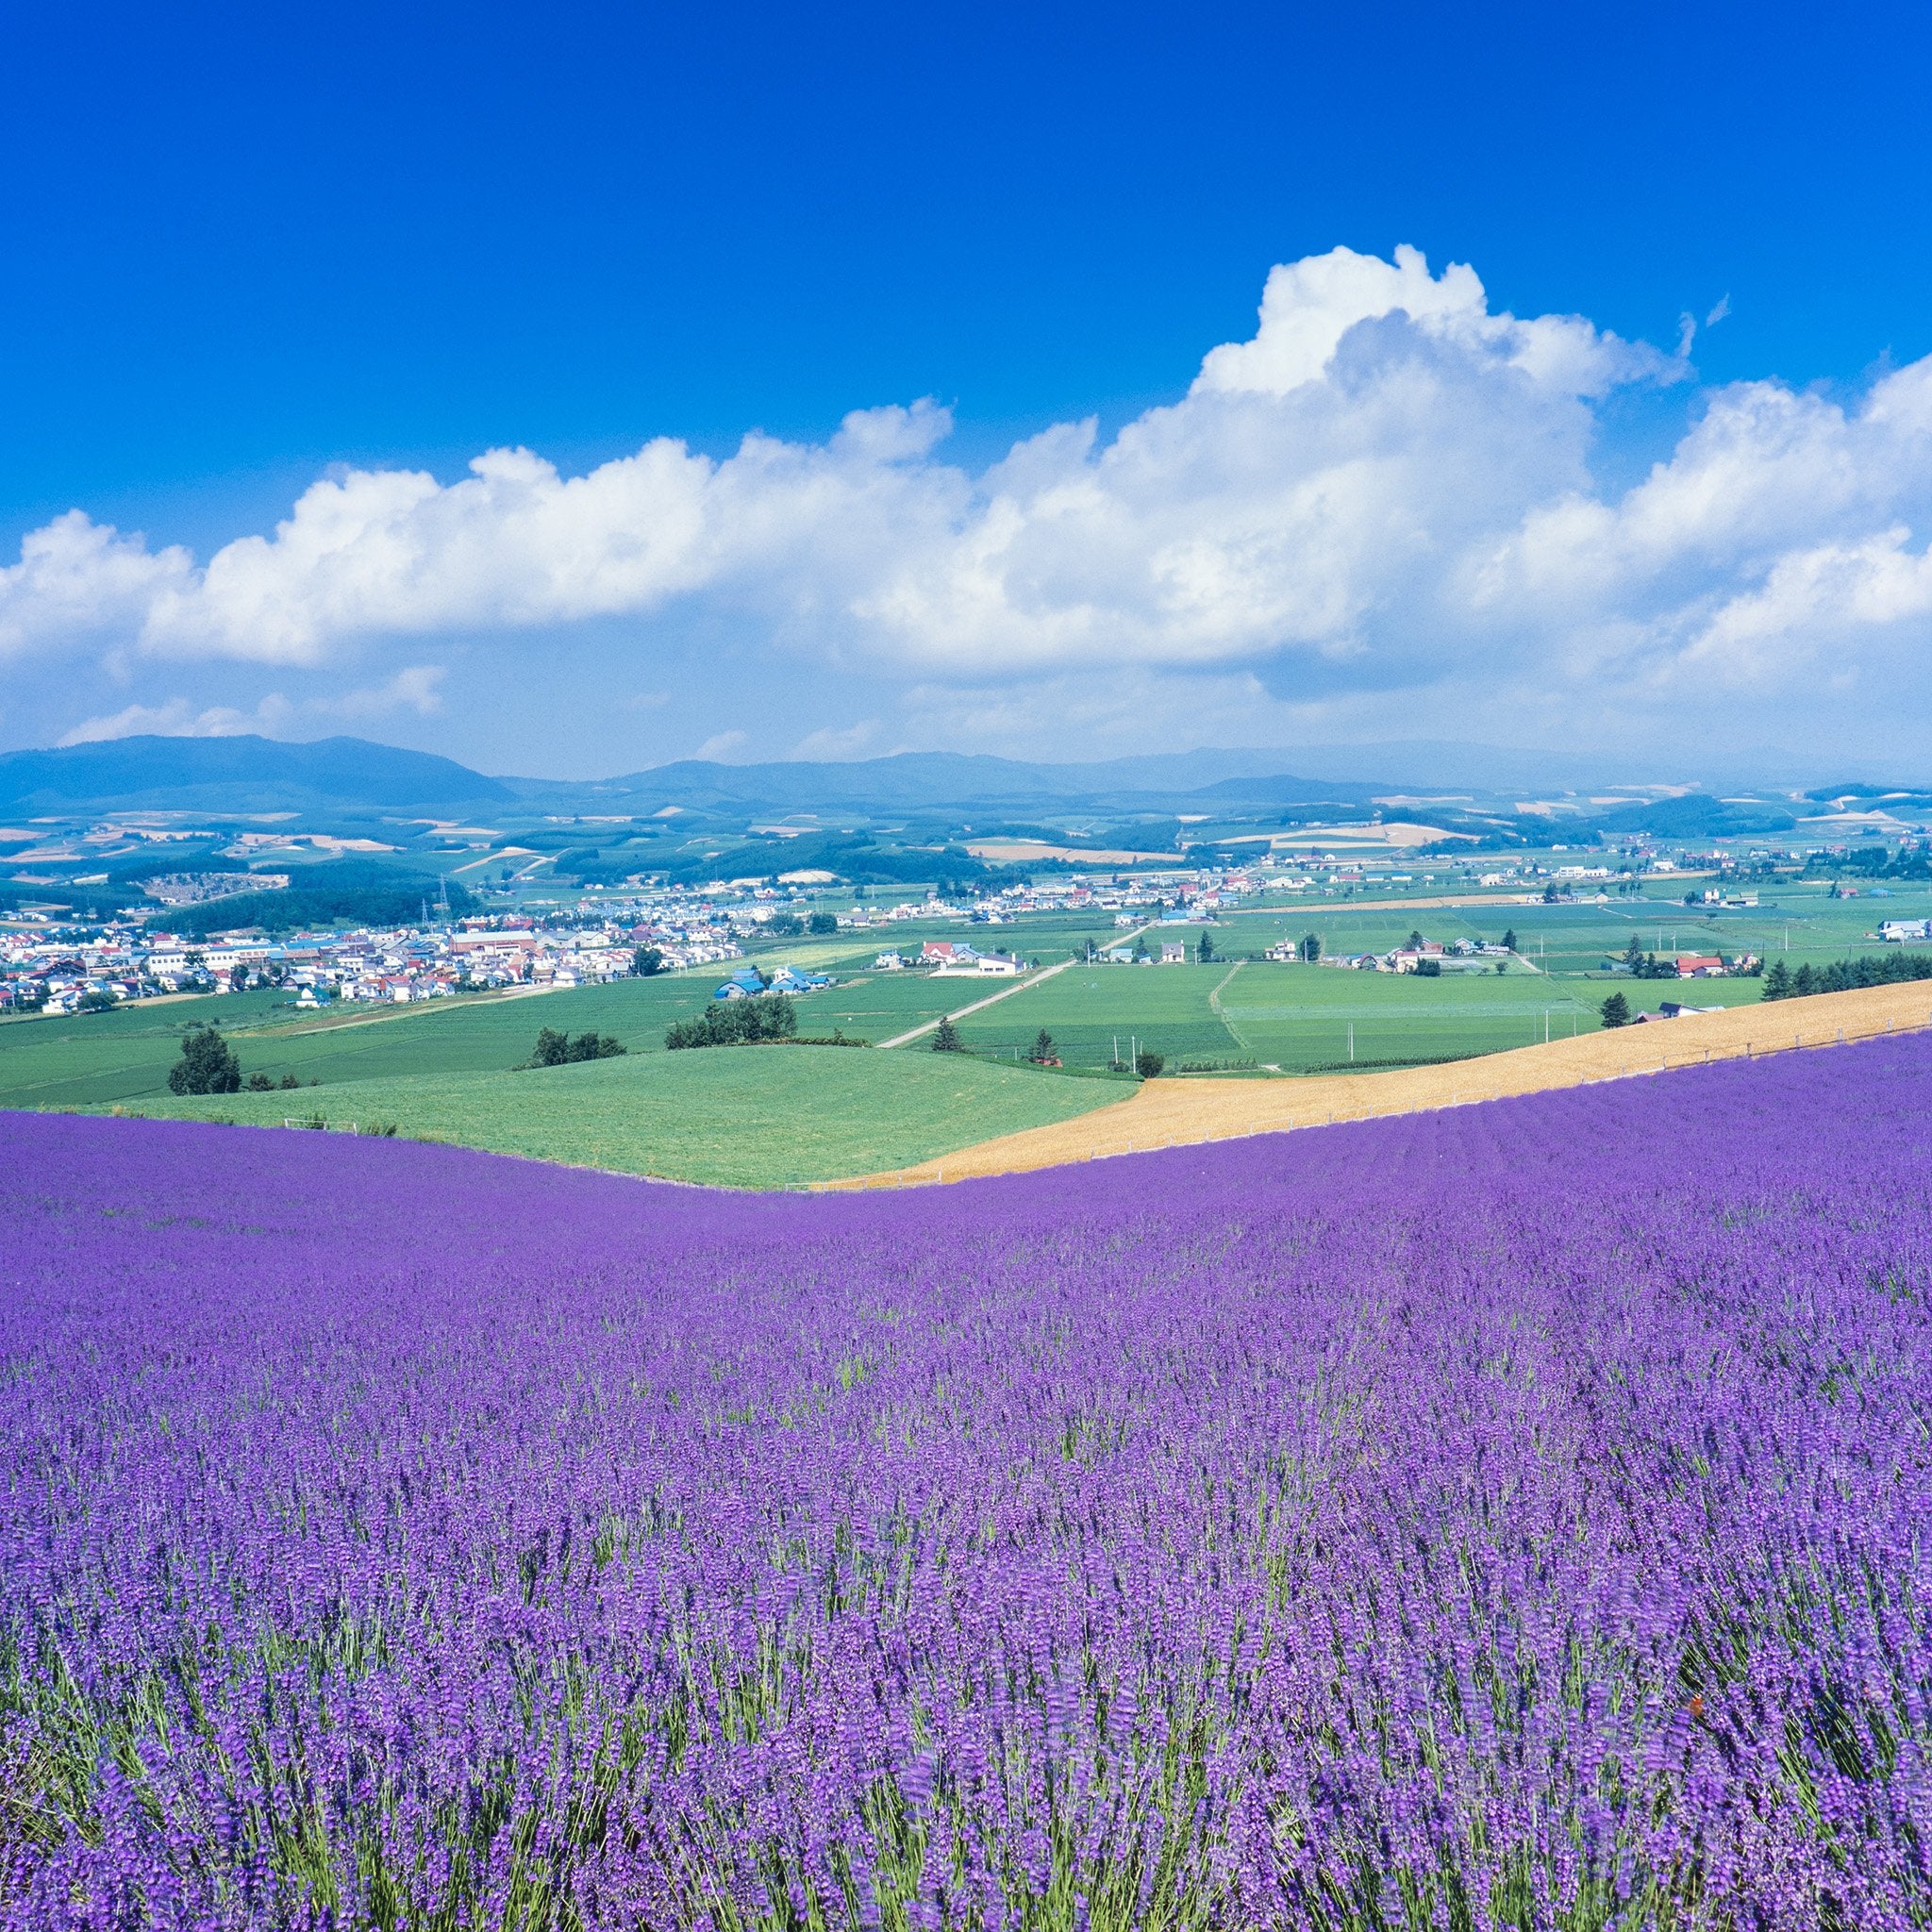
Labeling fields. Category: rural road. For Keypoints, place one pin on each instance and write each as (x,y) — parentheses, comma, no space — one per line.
(1005,993)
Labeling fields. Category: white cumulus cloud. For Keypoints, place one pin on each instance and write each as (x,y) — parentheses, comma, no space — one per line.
(1388,487)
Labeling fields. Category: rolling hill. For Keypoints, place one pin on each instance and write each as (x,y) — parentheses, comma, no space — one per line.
(240,774)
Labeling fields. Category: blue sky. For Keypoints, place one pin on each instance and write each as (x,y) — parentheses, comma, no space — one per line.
(253,259)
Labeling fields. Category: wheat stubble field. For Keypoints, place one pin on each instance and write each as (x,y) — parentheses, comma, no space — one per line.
(1181,1112)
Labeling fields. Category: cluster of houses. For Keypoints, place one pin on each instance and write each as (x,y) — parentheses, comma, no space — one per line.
(1457,954)
(1702,965)
(1163,953)
(748,983)
(944,957)
(123,962)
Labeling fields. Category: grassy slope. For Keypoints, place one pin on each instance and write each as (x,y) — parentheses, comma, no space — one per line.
(87,1059)
(738,1117)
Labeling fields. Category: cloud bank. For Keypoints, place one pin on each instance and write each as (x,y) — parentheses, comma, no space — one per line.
(1389,488)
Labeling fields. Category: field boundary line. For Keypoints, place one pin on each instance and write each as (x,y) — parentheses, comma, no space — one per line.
(1220,1011)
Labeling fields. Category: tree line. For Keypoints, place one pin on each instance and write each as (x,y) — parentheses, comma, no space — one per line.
(1845,975)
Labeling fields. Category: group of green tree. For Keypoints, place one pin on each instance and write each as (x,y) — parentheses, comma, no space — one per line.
(333,892)
(1782,982)
(208,1065)
(1875,862)
(1644,965)
(558,1049)
(736,1022)
(790,925)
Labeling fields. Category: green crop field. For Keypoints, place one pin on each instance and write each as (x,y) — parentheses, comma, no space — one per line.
(750,1117)
(1087,1008)
(1295,1018)
(1302,1017)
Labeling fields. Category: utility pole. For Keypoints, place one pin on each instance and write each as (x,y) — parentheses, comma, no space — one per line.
(1351,1042)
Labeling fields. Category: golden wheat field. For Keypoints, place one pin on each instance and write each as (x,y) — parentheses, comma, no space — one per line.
(1173,1112)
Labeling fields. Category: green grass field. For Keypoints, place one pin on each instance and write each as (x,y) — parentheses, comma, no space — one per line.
(746,1117)
(84,1059)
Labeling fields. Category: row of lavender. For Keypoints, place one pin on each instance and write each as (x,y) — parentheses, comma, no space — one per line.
(1506,1517)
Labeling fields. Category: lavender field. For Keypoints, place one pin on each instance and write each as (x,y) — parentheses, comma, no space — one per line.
(1510,1516)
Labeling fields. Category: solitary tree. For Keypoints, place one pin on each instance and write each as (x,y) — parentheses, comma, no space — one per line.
(1616,1010)
(1148,1065)
(207,1064)
(1312,947)
(1207,949)
(647,961)
(1509,939)
(823,923)
(947,1039)
(1043,1046)
(1415,941)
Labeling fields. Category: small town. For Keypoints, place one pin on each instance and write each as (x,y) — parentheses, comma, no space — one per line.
(55,965)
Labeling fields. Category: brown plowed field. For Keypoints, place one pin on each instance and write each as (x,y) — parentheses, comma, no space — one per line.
(1173,1112)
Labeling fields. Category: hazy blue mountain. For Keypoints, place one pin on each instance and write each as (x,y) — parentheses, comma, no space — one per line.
(235,774)
(919,781)
(255,774)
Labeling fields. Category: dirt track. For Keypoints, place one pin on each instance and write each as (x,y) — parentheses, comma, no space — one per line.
(1174,1112)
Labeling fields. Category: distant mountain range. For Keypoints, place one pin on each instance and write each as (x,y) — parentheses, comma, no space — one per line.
(917,781)
(245,774)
